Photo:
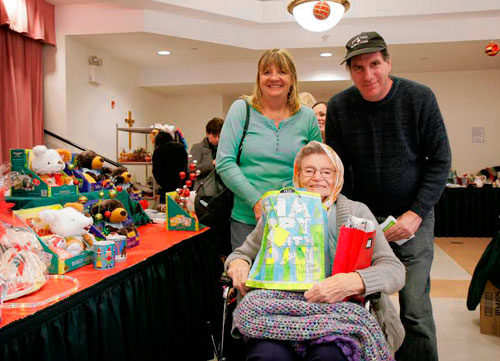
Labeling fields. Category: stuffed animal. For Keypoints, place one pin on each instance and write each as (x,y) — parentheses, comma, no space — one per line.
(112,211)
(65,154)
(121,175)
(70,224)
(89,159)
(113,215)
(48,164)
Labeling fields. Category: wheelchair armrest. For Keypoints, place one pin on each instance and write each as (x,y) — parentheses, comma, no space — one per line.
(225,280)
(373,296)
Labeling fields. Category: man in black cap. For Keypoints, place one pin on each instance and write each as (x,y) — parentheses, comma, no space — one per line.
(391,137)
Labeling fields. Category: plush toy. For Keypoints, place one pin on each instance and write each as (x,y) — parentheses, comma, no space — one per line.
(70,224)
(113,215)
(111,211)
(65,154)
(121,175)
(89,159)
(48,164)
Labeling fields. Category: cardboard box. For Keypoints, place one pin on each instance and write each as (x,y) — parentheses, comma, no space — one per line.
(490,310)
(177,217)
(33,185)
(57,265)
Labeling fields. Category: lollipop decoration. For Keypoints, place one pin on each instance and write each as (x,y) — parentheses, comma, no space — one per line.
(182,194)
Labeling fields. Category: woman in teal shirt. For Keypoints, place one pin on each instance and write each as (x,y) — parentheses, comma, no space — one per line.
(278,128)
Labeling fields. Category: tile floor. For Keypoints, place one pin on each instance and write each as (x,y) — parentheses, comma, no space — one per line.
(458,333)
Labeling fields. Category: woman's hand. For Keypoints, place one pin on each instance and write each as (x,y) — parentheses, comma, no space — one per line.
(335,288)
(238,270)
(257,209)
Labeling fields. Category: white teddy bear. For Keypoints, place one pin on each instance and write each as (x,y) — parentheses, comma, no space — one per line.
(70,224)
(46,161)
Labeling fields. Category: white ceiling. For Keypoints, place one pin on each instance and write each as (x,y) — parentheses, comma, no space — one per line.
(217,35)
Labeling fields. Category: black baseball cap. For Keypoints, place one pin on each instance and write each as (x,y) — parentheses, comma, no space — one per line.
(366,42)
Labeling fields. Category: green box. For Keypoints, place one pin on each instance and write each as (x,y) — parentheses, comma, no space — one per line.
(177,217)
(32,185)
(57,265)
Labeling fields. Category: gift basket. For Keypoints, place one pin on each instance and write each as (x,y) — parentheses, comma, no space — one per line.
(23,261)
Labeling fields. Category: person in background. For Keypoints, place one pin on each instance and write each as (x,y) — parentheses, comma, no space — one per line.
(391,137)
(320,111)
(278,127)
(205,151)
(307,99)
(169,159)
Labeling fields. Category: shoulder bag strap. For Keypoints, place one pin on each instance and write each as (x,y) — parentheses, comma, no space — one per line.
(247,122)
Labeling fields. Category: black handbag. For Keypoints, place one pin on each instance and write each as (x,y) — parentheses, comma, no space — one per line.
(214,201)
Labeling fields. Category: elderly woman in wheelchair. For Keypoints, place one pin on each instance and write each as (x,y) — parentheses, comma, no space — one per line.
(319,324)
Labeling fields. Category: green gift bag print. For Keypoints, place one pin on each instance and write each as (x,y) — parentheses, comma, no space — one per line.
(291,255)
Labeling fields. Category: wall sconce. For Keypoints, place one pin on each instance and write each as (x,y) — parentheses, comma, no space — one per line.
(316,15)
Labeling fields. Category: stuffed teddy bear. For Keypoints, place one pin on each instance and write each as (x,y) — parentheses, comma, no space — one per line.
(113,215)
(48,164)
(92,167)
(121,175)
(70,225)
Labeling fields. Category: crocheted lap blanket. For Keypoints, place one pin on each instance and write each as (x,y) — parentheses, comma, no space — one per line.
(282,315)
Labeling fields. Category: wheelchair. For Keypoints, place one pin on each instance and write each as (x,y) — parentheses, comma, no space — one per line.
(229,296)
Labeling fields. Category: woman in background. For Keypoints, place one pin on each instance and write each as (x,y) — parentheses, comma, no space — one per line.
(279,126)
(320,111)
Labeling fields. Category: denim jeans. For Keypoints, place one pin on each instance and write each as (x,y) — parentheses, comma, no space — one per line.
(239,232)
(414,299)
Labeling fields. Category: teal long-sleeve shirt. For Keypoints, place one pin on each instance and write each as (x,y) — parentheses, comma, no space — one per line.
(267,155)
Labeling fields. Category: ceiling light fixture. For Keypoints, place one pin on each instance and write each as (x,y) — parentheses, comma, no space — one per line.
(163,52)
(325,55)
(316,15)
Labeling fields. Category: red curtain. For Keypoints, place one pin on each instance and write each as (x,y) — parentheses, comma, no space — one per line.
(24,25)
(21,112)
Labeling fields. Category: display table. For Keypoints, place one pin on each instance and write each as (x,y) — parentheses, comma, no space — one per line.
(468,212)
(155,303)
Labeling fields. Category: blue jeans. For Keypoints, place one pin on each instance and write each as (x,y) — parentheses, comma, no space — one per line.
(263,350)
(239,232)
(414,299)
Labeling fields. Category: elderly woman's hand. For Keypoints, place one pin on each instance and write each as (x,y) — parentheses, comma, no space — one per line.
(257,210)
(335,288)
(238,270)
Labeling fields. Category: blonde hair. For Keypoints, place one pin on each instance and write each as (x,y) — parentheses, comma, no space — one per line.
(282,59)
(307,99)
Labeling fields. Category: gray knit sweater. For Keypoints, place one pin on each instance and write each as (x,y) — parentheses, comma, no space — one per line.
(395,151)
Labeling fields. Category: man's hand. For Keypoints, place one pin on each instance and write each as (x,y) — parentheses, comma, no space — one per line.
(257,209)
(335,288)
(238,271)
(406,226)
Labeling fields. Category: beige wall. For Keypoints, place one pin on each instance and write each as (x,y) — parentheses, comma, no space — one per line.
(467,99)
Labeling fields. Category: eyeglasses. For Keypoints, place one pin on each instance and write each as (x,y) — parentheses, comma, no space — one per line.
(325,172)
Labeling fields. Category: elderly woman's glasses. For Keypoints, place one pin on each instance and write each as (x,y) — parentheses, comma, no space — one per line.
(325,172)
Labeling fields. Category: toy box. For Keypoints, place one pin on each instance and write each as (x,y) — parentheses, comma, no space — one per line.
(32,185)
(57,264)
(132,238)
(178,219)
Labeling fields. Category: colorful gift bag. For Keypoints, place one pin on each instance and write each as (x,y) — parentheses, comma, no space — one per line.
(292,252)
(354,246)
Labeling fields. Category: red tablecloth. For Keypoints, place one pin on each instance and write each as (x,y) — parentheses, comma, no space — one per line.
(154,238)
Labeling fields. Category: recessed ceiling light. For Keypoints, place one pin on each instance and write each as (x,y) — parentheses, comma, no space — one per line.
(163,52)
(325,55)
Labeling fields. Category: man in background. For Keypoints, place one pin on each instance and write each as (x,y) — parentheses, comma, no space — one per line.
(205,151)
(391,137)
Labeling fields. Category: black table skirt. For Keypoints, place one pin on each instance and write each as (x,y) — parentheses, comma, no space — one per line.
(157,307)
(468,212)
